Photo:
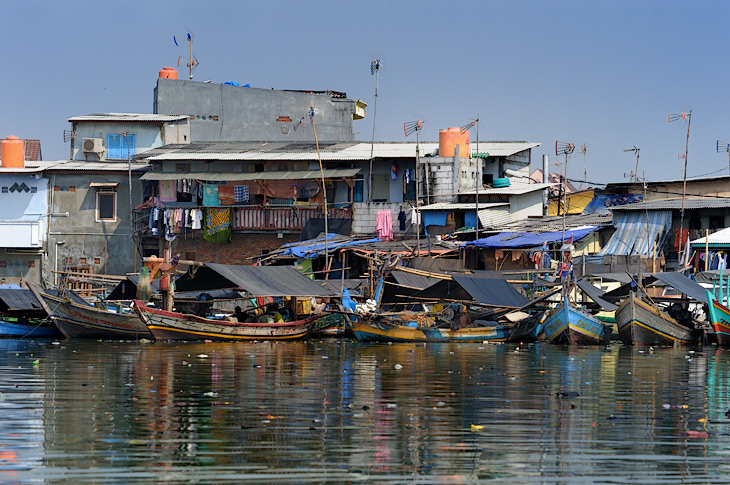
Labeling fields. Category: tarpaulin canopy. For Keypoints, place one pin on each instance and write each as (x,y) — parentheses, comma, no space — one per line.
(317,247)
(254,281)
(486,291)
(637,231)
(681,283)
(18,299)
(507,240)
(596,295)
(127,290)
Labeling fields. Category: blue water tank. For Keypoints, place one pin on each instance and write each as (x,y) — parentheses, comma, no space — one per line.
(500,182)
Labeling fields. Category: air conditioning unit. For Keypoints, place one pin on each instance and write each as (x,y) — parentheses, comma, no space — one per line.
(93,145)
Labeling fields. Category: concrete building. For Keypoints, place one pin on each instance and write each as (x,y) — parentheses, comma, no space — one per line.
(119,136)
(228,112)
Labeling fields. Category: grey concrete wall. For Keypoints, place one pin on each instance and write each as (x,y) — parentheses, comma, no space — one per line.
(109,243)
(232,113)
(364,217)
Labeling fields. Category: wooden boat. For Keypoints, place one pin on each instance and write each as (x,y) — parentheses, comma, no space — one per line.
(568,324)
(719,316)
(639,323)
(384,330)
(166,325)
(12,327)
(75,319)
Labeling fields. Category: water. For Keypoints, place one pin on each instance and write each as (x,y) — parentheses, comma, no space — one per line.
(339,411)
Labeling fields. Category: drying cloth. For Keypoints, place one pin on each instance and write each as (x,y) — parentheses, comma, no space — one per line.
(240,193)
(217,225)
(197,219)
(415,217)
(225,194)
(210,195)
(402,220)
(168,191)
(384,226)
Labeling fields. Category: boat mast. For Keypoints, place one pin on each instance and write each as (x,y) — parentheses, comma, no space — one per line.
(671,118)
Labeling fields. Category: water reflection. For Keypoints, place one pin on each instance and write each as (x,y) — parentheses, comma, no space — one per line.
(337,411)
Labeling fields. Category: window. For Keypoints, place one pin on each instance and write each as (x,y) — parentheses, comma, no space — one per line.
(106,206)
(117,145)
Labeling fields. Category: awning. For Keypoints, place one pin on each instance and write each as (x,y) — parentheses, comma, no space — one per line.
(681,283)
(103,184)
(20,299)
(515,240)
(316,248)
(596,295)
(255,281)
(490,291)
(336,173)
(637,231)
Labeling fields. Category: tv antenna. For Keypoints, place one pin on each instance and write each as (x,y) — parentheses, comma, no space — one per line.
(475,123)
(723,146)
(584,150)
(672,118)
(564,148)
(375,66)
(191,61)
(410,127)
(636,170)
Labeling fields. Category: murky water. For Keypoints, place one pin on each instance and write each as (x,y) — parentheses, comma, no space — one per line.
(339,411)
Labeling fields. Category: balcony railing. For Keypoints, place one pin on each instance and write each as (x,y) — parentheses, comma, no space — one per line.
(282,218)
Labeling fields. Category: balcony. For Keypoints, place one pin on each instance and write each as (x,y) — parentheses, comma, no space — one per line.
(282,218)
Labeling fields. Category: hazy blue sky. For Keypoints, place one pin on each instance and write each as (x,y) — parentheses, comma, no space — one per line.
(601,73)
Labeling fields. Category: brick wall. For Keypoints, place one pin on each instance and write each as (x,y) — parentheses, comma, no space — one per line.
(241,247)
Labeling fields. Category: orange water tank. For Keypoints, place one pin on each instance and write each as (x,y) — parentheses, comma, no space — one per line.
(168,73)
(449,138)
(12,152)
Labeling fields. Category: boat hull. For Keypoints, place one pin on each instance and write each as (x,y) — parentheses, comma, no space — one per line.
(79,321)
(641,324)
(720,320)
(572,326)
(10,329)
(389,332)
(164,325)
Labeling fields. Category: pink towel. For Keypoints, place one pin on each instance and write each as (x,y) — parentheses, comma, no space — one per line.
(384,226)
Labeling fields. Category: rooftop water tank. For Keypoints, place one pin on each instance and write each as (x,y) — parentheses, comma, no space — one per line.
(12,152)
(449,138)
(168,73)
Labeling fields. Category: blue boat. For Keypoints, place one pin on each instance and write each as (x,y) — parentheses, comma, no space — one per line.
(568,324)
(23,328)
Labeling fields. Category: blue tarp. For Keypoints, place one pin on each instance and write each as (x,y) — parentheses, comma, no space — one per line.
(507,240)
(317,248)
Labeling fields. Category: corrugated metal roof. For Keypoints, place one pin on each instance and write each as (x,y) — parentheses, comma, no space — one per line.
(233,151)
(221,176)
(676,204)
(462,206)
(76,165)
(555,223)
(516,189)
(494,218)
(128,117)
(720,237)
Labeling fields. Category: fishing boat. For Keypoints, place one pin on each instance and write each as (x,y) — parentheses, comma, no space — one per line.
(640,323)
(719,315)
(75,318)
(569,324)
(169,325)
(387,330)
(18,327)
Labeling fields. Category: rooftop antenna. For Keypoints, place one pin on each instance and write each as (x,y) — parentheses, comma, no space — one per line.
(564,148)
(671,118)
(723,146)
(477,172)
(636,170)
(191,61)
(410,127)
(374,71)
(584,150)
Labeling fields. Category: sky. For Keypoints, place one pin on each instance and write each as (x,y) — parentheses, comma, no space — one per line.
(604,74)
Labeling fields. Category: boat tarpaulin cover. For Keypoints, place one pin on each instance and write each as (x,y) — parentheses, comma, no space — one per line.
(681,283)
(506,240)
(596,295)
(19,299)
(637,231)
(253,280)
(488,291)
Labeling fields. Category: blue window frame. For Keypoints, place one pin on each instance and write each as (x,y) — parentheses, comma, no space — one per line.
(116,146)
